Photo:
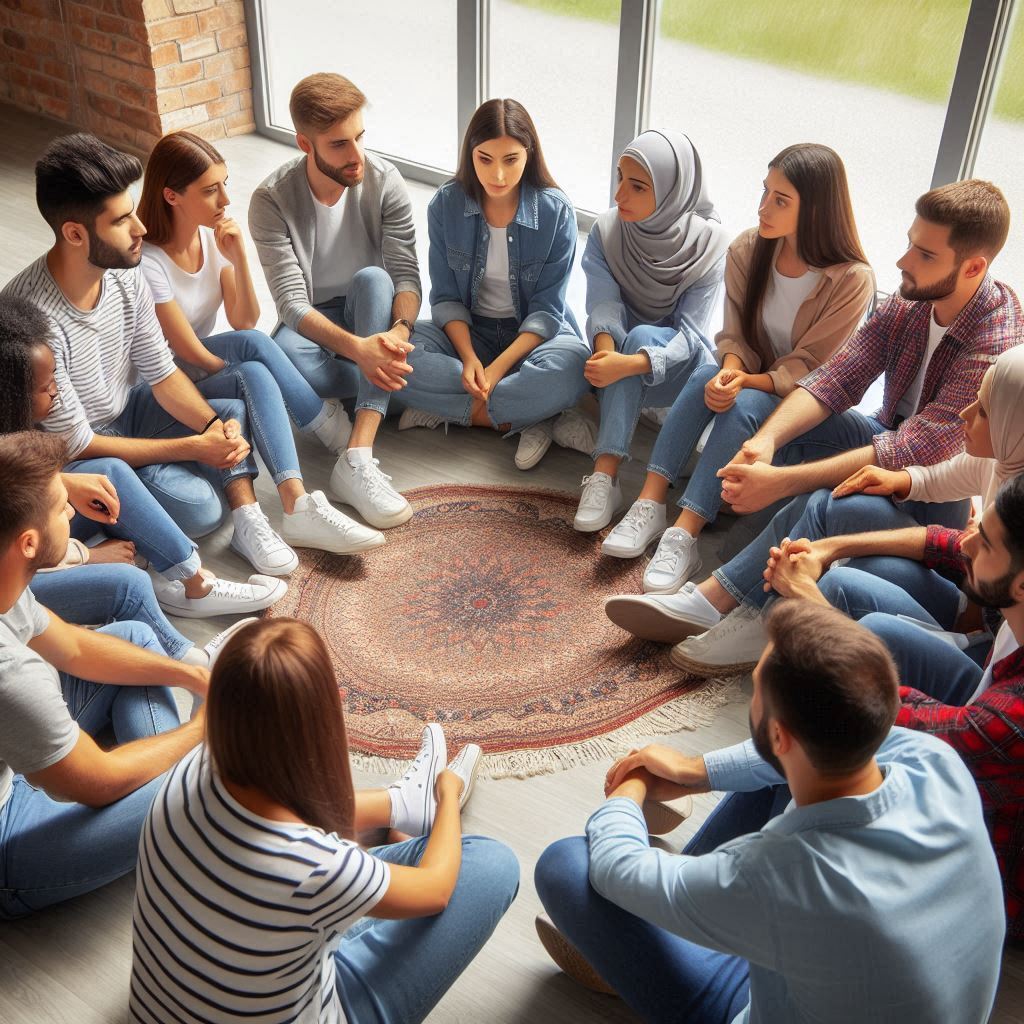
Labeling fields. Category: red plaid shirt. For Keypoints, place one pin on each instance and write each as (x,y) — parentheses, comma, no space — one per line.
(893,342)
(989,736)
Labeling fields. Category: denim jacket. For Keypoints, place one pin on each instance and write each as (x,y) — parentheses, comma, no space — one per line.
(541,247)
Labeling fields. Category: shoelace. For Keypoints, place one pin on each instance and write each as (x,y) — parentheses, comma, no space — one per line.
(666,558)
(595,491)
(231,590)
(636,518)
(374,480)
(413,767)
(331,515)
(259,524)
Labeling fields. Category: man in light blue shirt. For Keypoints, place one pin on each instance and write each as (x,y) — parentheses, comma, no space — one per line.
(874,897)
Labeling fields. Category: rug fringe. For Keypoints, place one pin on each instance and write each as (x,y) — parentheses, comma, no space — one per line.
(689,712)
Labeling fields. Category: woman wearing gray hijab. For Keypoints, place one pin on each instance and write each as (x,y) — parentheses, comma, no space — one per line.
(654,265)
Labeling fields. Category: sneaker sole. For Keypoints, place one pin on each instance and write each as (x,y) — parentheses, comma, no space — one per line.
(568,958)
(376,521)
(706,670)
(440,756)
(285,570)
(648,623)
(673,588)
(470,781)
(348,549)
(663,818)
(257,606)
(532,461)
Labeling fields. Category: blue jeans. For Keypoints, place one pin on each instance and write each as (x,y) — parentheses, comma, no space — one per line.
(189,492)
(820,515)
(97,595)
(364,311)
(302,403)
(928,663)
(681,431)
(622,401)
(52,851)
(395,972)
(549,380)
(142,520)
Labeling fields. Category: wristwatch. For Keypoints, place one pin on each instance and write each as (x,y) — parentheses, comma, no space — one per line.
(405,323)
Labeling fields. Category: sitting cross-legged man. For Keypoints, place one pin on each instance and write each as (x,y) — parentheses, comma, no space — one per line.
(829,911)
(71,810)
(934,342)
(967,690)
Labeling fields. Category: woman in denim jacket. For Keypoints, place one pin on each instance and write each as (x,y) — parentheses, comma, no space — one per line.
(502,349)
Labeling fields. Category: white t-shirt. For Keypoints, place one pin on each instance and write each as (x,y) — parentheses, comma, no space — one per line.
(341,247)
(782,300)
(199,295)
(907,405)
(36,728)
(494,296)
(1003,646)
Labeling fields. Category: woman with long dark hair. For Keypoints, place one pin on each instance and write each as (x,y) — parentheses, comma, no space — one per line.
(796,286)
(250,883)
(502,349)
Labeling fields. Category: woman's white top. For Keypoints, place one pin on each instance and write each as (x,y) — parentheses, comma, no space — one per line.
(198,295)
(782,300)
(494,296)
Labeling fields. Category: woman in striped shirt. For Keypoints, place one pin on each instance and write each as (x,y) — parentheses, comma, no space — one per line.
(249,881)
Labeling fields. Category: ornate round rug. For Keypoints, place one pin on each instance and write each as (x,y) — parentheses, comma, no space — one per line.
(484,613)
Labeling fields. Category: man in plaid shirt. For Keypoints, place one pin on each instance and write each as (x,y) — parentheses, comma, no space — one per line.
(972,698)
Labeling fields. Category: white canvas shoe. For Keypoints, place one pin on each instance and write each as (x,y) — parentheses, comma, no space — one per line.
(257,542)
(226,597)
(733,646)
(638,527)
(676,561)
(573,429)
(216,645)
(600,500)
(666,618)
(336,428)
(534,443)
(316,523)
(464,764)
(418,418)
(358,481)
(413,800)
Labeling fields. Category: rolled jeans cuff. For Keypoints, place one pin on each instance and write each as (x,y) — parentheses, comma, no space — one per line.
(653,467)
(734,591)
(318,420)
(618,453)
(692,506)
(183,570)
(378,405)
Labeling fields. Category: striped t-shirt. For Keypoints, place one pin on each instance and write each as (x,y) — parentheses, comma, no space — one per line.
(100,353)
(238,917)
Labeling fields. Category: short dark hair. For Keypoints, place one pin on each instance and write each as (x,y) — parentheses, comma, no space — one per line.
(75,177)
(1009,506)
(29,460)
(23,327)
(831,682)
(976,213)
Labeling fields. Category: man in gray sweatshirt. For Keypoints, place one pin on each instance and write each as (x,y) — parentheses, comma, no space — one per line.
(334,231)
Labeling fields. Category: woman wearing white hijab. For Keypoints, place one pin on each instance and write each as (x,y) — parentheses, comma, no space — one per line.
(654,265)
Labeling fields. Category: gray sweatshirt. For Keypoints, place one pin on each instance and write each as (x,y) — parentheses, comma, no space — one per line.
(282,221)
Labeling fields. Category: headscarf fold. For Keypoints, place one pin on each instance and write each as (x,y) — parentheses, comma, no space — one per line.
(655,260)
(1006,413)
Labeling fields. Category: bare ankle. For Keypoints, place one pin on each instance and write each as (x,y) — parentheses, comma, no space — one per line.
(717,596)
(655,489)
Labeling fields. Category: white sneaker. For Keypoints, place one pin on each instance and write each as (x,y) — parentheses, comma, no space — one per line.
(640,525)
(413,800)
(533,444)
(336,429)
(666,618)
(226,597)
(733,646)
(358,481)
(572,429)
(316,523)
(600,500)
(465,764)
(216,645)
(258,543)
(675,561)
(418,418)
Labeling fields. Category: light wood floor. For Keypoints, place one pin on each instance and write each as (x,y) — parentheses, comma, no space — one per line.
(71,964)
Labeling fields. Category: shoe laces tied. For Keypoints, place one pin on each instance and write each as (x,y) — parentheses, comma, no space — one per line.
(258,524)
(596,488)
(373,479)
(666,558)
(326,511)
(636,519)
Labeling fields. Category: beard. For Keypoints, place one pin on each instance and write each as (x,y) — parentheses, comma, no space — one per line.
(934,292)
(108,257)
(338,174)
(991,593)
(762,743)
(51,551)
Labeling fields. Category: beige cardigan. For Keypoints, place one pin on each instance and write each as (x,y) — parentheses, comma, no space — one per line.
(827,318)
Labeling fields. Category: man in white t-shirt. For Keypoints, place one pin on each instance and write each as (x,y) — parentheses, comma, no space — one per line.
(71,810)
(335,235)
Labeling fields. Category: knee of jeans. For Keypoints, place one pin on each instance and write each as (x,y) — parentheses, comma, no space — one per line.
(373,279)
(492,861)
(231,408)
(138,633)
(558,865)
(135,582)
(833,582)
(254,373)
(641,335)
(252,340)
(883,625)
(204,513)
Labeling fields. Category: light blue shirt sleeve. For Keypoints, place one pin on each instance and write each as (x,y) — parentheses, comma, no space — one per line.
(739,769)
(606,312)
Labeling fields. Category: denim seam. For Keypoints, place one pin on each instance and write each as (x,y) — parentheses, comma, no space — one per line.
(724,580)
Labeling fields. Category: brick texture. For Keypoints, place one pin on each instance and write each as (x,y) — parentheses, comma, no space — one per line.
(130,70)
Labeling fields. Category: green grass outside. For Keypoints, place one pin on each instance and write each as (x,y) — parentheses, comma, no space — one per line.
(905,46)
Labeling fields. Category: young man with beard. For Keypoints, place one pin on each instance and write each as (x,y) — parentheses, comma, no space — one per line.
(829,911)
(335,235)
(70,810)
(933,342)
(973,698)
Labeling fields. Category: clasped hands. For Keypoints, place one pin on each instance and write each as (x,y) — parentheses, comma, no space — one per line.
(659,772)
(479,380)
(381,358)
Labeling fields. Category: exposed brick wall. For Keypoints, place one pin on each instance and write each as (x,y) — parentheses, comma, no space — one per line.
(129,70)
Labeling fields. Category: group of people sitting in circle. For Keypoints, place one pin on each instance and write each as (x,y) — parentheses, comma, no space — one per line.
(866,862)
